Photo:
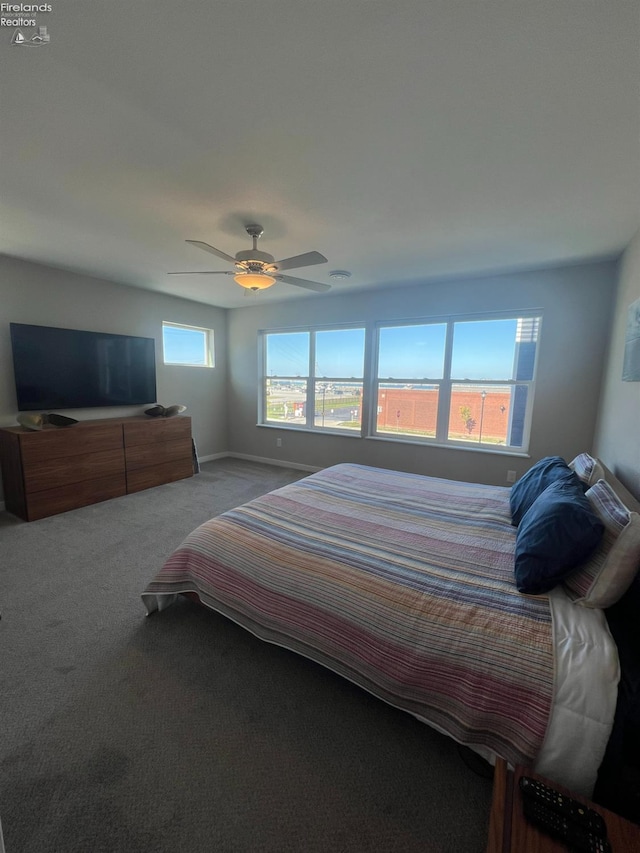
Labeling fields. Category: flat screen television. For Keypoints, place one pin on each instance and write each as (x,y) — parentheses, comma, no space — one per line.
(72,369)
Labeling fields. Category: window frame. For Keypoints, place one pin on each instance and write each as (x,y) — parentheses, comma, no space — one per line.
(371,382)
(311,378)
(208,345)
(375,381)
(446,384)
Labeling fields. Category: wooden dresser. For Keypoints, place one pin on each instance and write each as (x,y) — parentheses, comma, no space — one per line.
(57,469)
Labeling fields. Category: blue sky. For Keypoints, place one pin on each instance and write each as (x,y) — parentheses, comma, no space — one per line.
(183,346)
(339,353)
(482,350)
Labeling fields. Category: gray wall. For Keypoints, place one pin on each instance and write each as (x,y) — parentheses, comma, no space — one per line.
(576,302)
(33,293)
(618,432)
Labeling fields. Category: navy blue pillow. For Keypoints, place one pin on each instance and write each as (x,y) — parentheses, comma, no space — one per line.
(532,484)
(556,534)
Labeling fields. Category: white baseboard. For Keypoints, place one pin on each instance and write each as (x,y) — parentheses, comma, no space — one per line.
(282,463)
(265,460)
(212,456)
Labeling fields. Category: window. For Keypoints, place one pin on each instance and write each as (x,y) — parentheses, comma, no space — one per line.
(314,379)
(456,381)
(463,381)
(410,374)
(188,345)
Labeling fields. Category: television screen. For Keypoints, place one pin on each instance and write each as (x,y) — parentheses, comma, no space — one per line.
(71,369)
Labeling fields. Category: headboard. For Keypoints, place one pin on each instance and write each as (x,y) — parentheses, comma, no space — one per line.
(618,786)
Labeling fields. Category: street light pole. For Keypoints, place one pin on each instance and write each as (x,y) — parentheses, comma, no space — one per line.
(483,395)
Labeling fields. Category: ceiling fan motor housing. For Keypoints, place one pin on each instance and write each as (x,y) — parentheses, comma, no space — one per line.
(255,260)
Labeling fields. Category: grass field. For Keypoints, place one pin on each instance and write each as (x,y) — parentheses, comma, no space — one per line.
(276,410)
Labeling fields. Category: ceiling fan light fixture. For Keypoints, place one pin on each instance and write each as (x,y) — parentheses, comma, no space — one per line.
(256,270)
(254,280)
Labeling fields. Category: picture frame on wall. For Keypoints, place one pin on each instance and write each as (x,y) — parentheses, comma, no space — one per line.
(631,364)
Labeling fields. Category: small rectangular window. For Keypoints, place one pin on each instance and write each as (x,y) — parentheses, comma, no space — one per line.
(187,345)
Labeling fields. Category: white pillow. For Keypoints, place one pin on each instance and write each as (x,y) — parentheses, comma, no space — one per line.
(588,469)
(608,573)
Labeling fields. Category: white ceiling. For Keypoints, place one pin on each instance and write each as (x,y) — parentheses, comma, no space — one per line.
(405,140)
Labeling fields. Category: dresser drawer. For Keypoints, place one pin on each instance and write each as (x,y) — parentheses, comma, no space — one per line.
(69,441)
(64,498)
(67,470)
(146,478)
(146,455)
(160,429)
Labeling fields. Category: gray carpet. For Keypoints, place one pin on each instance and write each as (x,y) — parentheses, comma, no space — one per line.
(181,731)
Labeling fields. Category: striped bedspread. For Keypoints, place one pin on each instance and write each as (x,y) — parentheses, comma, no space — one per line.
(399,582)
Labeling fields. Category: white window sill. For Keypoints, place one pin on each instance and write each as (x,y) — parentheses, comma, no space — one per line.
(349,433)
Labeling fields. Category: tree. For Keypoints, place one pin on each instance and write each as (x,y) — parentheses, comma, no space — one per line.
(469,422)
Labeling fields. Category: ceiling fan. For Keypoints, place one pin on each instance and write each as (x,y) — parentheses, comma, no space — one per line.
(256,270)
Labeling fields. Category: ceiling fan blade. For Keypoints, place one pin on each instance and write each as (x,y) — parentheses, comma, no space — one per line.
(212,250)
(202,272)
(303,282)
(306,260)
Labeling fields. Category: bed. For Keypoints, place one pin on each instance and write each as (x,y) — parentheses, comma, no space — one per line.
(404,584)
